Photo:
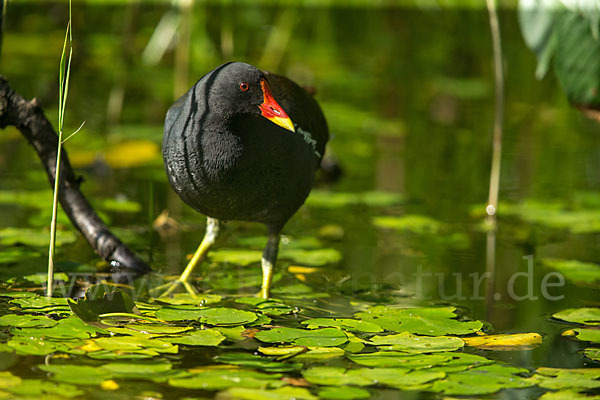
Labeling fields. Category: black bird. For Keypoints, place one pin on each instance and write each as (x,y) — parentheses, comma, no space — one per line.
(243,145)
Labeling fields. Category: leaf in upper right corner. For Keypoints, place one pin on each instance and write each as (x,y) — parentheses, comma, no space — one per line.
(585,316)
(563,378)
(430,321)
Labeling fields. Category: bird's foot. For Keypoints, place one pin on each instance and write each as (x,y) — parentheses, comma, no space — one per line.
(170,287)
(263,293)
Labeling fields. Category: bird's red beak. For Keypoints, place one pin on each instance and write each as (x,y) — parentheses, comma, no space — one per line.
(273,111)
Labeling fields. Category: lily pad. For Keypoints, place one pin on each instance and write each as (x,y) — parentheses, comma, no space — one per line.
(328,199)
(200,337)
(76,374)
(408,343)
(26,321)
(31,388)
(585,316)
(222,378)
(181,313)
(592,353)
(343,393)
(444,362)
(66,328)
(562,378)
(135,343)
(481,380)
(254,361)
(586,335)
(433,321)
(33,237)
(303,337)
(282,393)
(579,272)
(188,299)
(226,316)
(137,369)
(567,395)
(353,325)
(40,346)
(417,224)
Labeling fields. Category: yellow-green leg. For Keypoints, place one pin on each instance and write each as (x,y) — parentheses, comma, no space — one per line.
(269,259)
(210,237)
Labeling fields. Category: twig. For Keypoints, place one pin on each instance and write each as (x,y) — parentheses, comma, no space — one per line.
(492,205)
(29,118)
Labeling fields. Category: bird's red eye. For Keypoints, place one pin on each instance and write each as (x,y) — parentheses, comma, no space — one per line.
(244,86)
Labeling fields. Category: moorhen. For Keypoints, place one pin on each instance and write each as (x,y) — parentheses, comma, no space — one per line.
(243,145)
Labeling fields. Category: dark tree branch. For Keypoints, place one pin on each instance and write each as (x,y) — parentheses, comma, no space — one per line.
(29,118)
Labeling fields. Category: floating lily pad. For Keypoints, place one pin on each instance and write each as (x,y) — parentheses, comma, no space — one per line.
(303,337)
(562,378)
(407,343)
(269,307)
(152,329)
(343,393)
(567,395)
(136,369)
(585,316)
(188,299)
(320,353)
(505,342)
(592,353)
(40,304)
(395,377)
(579,272)
(241,257)
(226,316)
(445,362)
(314,258)
(200,337)
(282,393)
(353,325)
(554,215)
(67,328)
(434,321)
(327,199)
(134,344)
(26,321)
(255,361)
(244,257)
(7,379)
(586,335)
(40,346)
(34,237)
(221,378)
(180,313)
(34,388)
(481,380)
(336,376)
(76,374)
(417,224)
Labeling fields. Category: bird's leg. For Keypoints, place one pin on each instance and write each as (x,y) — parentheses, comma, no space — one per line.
(269,258)
(210,237)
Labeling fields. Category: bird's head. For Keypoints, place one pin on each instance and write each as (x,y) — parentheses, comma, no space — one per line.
(239,88)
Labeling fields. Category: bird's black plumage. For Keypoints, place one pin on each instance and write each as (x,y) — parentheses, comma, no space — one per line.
(228,161)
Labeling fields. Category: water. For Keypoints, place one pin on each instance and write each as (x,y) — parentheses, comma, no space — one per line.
(408,94)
